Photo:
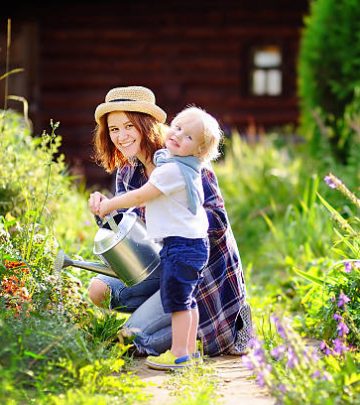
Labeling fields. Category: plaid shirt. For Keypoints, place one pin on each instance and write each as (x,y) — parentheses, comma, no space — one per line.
(222,291)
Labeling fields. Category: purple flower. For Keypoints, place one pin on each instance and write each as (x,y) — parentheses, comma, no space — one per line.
(260,379)
(278,352)
(342,328)
(280,329)
(261,375)
(258,351)
(325,348)
(343,299)
(339,346)
(316,374)
(357,264)
(337,317)
(282,388)
(253,342)
(347,267)
(330,182)
(292,359)
(247,362)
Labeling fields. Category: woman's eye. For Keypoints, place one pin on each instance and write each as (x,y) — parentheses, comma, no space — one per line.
(129,126)
(189,137)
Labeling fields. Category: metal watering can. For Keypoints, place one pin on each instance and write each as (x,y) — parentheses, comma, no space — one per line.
(122,245)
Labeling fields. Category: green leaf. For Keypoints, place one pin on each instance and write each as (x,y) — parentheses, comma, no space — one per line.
(315,279)
(34,355)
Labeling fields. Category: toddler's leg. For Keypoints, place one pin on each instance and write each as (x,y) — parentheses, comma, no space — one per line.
(181,322)
(193,330)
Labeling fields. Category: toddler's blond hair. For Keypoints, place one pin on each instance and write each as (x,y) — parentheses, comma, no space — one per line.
(212,133)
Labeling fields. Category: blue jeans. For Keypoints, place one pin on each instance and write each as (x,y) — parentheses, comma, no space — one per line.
(152,327)
(128,299)
(148,319)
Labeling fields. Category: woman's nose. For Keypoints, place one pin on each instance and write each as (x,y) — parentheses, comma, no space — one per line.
(122,135)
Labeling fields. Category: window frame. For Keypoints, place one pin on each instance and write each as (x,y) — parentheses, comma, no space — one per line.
(286,68)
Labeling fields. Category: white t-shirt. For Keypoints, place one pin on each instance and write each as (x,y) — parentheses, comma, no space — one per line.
(168,215)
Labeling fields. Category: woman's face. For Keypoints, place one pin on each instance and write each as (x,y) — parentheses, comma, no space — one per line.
(124,135)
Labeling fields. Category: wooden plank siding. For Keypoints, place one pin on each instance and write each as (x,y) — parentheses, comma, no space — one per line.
(185,51)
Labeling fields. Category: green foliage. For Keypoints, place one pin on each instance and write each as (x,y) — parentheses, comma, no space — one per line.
(270,195)
(329,62)
(39,206)
(256,180)
(103,325)
(35,348)
(195,386)
(280,213)
(335,284)
(293,226)
(295,372)
(54,347)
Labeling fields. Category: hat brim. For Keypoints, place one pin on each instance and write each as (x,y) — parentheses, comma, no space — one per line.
(135,106)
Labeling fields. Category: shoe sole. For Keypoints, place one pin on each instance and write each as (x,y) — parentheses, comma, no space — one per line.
(164,367)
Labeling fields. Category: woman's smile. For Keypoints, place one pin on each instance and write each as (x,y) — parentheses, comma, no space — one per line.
(126,144)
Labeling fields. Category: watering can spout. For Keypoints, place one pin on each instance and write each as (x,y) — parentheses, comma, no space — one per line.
(63,260)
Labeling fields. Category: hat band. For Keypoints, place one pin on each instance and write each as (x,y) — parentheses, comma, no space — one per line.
(121,99)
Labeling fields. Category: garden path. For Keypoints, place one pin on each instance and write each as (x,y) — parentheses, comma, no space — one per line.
(235,388)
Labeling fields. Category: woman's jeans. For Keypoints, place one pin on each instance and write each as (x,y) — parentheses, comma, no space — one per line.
(151,326)
(148,320)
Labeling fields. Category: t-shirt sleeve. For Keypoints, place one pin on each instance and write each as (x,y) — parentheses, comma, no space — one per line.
(167,178)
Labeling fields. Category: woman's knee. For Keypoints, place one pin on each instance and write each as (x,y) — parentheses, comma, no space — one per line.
(98,292)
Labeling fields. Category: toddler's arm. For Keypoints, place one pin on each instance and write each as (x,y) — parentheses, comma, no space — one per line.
(134,198)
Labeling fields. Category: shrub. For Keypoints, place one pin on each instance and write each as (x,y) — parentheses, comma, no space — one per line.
(329,62)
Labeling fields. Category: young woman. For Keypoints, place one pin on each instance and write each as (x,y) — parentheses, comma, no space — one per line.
(128,133)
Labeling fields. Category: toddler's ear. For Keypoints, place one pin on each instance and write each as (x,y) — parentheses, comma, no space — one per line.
(200,152)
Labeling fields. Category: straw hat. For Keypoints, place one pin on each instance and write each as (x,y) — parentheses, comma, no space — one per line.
(132,98)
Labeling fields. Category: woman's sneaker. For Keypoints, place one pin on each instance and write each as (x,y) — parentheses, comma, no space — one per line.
(167,361)
(197,358)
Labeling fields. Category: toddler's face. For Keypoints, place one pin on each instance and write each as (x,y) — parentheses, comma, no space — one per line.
(185,135)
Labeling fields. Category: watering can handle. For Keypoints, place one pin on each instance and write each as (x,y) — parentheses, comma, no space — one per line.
(98,221)
(110,220)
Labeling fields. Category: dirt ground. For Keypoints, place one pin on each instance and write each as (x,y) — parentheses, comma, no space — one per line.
(234,386)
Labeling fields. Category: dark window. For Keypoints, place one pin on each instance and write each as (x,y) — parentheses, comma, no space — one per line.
(266,77)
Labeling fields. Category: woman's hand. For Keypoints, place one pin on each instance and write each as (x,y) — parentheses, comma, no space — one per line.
(95,200)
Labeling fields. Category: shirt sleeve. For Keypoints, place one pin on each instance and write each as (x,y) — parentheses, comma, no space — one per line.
(167,178)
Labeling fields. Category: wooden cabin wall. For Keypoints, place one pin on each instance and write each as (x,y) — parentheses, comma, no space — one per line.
(187,52)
